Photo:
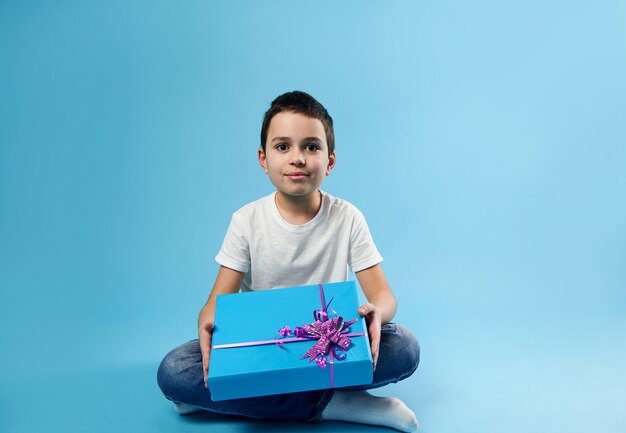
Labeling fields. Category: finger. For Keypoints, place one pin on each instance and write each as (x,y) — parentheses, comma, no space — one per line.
(374,356)
(205,347)
(375,341)
(205,366)
(205,370)
(364,309)
(375,349)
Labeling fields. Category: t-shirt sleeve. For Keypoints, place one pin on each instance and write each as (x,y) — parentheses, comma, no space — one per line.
(235,250)
(363,252)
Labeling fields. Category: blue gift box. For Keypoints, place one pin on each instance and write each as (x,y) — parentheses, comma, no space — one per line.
(241,367)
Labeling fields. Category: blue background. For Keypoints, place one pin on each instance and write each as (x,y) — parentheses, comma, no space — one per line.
(484,141)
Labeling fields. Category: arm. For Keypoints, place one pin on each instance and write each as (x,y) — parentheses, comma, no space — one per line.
(381,305)
(227,281)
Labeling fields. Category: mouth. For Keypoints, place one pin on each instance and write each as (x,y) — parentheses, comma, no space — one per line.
(296,175)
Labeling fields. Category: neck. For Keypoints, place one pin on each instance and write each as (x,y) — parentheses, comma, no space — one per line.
(298,209)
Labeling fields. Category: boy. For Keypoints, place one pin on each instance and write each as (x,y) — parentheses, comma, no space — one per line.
(299,235)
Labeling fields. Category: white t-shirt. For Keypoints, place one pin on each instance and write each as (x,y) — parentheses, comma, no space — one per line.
(273,253)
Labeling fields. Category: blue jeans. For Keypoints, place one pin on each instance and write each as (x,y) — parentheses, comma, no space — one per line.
(180,378)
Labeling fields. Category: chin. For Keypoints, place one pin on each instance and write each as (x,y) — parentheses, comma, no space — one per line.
(298,193)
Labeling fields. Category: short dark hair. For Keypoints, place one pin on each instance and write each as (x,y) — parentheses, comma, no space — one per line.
(303,103)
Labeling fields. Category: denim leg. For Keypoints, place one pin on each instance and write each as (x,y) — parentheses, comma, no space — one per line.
(180,378)
(398,356)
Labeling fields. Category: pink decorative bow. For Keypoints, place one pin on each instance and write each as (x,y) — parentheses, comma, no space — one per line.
(332,335)
(327,333)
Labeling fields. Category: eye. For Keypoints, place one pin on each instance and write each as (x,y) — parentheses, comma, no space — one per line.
(281,147)
(312,147)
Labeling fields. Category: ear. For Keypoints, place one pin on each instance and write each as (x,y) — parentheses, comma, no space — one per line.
(332,159)
(262,159)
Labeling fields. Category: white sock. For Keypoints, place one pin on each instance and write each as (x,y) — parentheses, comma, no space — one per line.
(362,407)
(185,409)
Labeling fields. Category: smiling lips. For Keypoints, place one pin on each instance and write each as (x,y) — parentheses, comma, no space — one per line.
(296,175)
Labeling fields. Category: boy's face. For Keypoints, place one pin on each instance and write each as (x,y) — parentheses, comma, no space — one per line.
(296,154)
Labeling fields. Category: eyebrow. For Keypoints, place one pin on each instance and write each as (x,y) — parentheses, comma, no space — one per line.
(317,139)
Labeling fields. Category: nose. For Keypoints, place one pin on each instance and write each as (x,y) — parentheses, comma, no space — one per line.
(297,157)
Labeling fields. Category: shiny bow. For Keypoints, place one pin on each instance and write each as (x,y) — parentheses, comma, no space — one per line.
(326,333)
(329,333)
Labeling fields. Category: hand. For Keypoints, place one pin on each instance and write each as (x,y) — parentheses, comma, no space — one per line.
(205,336)
(373,319)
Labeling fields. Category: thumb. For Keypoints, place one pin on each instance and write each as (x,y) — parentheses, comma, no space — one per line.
(364,310)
